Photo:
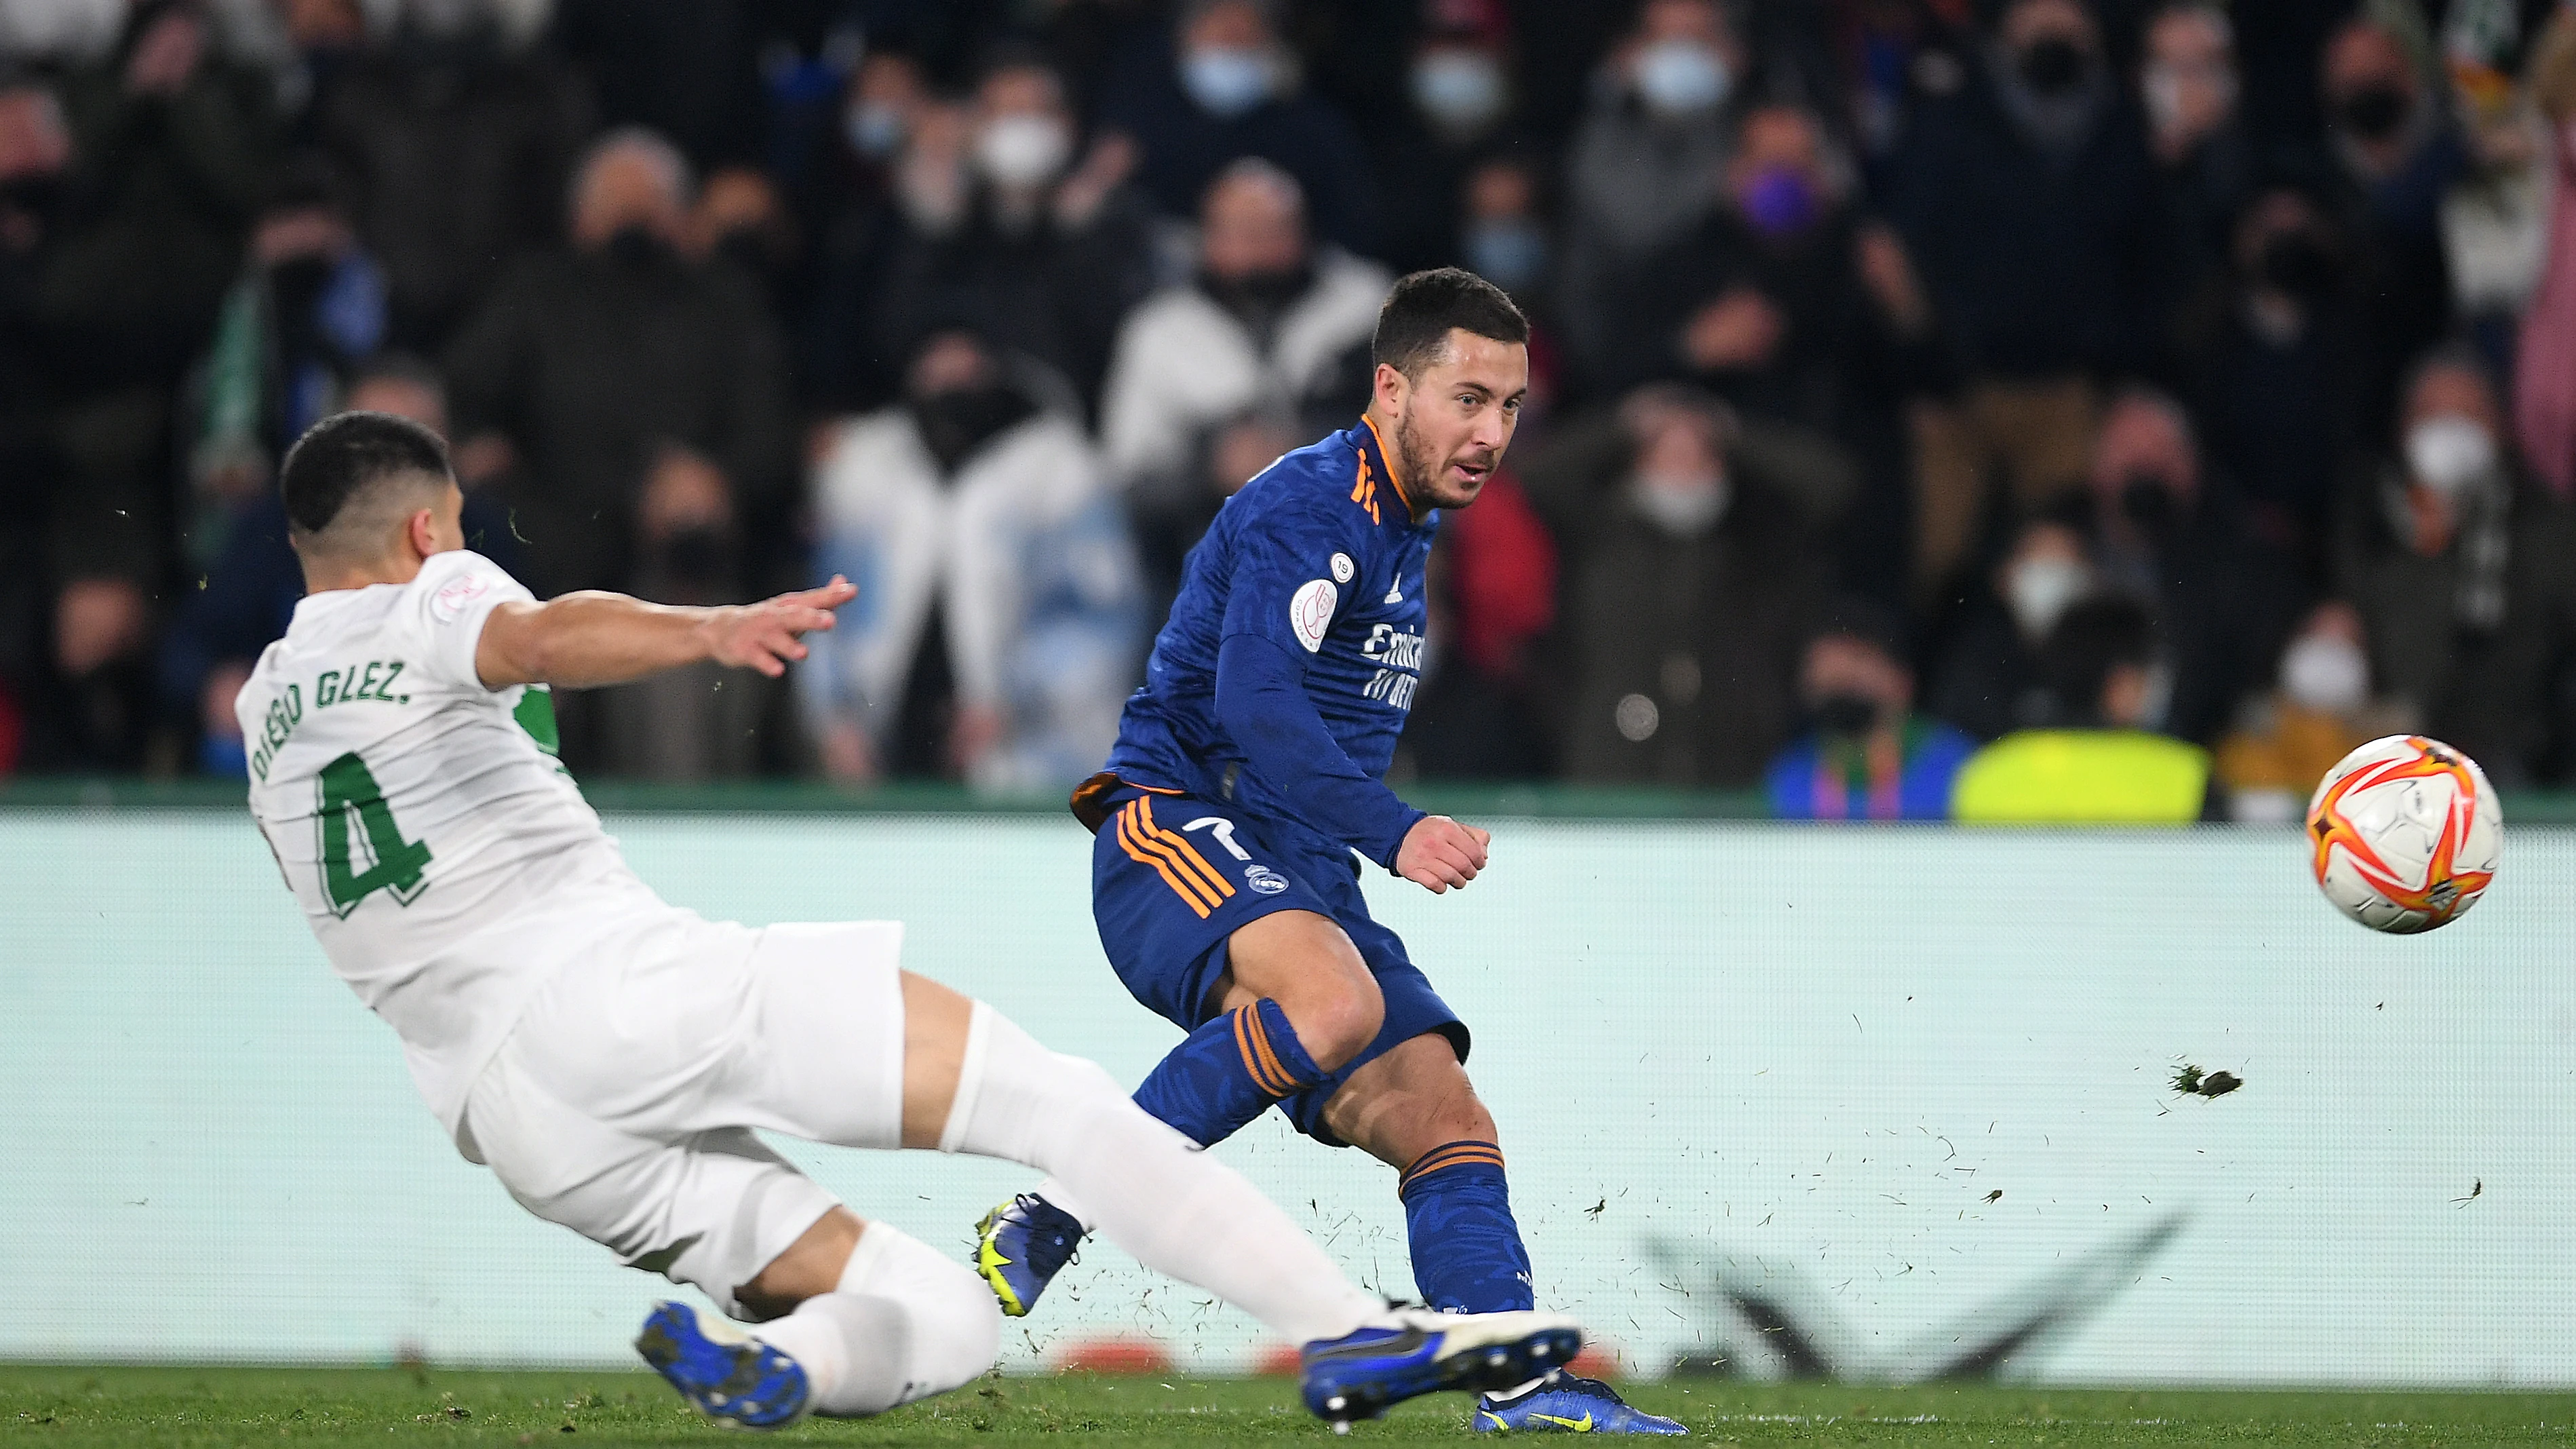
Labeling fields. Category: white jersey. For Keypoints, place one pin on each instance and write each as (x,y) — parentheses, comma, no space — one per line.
(442,856)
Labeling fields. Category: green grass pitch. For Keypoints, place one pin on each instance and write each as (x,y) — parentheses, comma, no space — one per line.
(183,1408)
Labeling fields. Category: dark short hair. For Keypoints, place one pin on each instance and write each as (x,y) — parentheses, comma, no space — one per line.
(1413,327)
(347,454)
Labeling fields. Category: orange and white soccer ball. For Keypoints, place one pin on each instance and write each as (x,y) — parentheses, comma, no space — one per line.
(2405,834)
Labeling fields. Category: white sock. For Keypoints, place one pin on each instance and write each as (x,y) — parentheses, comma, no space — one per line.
(1178,1210)
(904,1323)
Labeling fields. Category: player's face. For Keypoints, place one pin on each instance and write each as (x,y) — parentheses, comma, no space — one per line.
(1458,417)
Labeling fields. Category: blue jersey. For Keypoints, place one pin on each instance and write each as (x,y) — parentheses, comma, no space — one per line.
(1319,556)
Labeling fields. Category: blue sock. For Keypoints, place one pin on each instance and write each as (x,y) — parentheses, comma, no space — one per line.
(1467,1253)
(1228,1072)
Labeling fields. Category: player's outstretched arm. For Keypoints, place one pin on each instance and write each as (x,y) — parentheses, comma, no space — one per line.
(593,638)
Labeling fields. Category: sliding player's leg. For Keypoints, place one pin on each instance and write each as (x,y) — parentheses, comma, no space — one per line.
(972,1081)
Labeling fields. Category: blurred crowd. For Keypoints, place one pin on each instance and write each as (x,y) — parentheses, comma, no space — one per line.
(1908,374)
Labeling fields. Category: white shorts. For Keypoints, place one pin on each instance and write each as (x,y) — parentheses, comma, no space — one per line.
(623,1103)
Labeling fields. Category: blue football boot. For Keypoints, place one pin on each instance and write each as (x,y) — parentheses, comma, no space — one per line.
(1021,1246)
(725,1372)
(1562,1403)
(1414,1351)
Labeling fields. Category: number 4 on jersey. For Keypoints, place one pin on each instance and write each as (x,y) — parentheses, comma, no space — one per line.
(347,785)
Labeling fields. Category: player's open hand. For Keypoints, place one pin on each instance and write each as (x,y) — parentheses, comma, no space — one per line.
(1441,855)
(768,636)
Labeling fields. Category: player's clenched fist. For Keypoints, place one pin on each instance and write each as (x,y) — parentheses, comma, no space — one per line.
(1439,853)
(764,636)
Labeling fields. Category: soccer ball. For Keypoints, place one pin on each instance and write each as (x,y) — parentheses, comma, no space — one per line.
(2405,834)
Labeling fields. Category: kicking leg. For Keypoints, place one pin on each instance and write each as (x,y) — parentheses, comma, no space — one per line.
(1414,1109)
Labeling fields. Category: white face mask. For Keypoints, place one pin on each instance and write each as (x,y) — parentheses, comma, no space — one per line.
(874,131)
(1459,89)
(2448,454)
(1681,78)
(1023,150)
(2327,674)
(2039,591)
(1228,81)
(1681,507)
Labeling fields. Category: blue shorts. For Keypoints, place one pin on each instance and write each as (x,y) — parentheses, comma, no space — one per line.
(1174,876)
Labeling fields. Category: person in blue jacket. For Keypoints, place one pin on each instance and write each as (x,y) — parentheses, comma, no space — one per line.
(1869,755)
(1247,773)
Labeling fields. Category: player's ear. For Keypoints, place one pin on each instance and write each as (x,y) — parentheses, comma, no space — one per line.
(1391,387)
(420,532)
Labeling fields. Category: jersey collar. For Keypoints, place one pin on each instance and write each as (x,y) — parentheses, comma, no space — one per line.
(1373,468)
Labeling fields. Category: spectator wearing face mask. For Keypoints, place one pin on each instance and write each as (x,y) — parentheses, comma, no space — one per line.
(2395,155)
(1261,324)
(1458,117)
(1789,305)
(2167,533)
(1000,616)
(2027,199)
(1869,756)
(308,311)
(1988,677)
(160,149)
(1221,85)
(2205,165)
(1018,232)
(2319,710)
(2278,373)
(2104,761)
(1647,163)
(851,214)
(2464,575)
(454,150)
(1692,583)
(640,398)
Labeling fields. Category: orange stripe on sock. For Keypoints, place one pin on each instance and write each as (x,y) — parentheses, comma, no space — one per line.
(1257,1061)
(1269,1054)
(1182,844)
(1127,843)
(1446,1156)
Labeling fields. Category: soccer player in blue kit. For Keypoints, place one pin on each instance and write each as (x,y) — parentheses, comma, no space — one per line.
(1248,769)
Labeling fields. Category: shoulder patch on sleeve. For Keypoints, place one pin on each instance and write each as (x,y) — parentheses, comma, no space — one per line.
(1310,612)
(457,595)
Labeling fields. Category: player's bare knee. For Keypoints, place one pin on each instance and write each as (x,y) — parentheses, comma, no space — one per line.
(1337,1025)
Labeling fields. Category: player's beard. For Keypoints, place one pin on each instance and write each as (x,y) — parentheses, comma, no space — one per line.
(1413,460)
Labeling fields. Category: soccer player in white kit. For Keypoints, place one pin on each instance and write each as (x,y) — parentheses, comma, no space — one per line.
(610,1056)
